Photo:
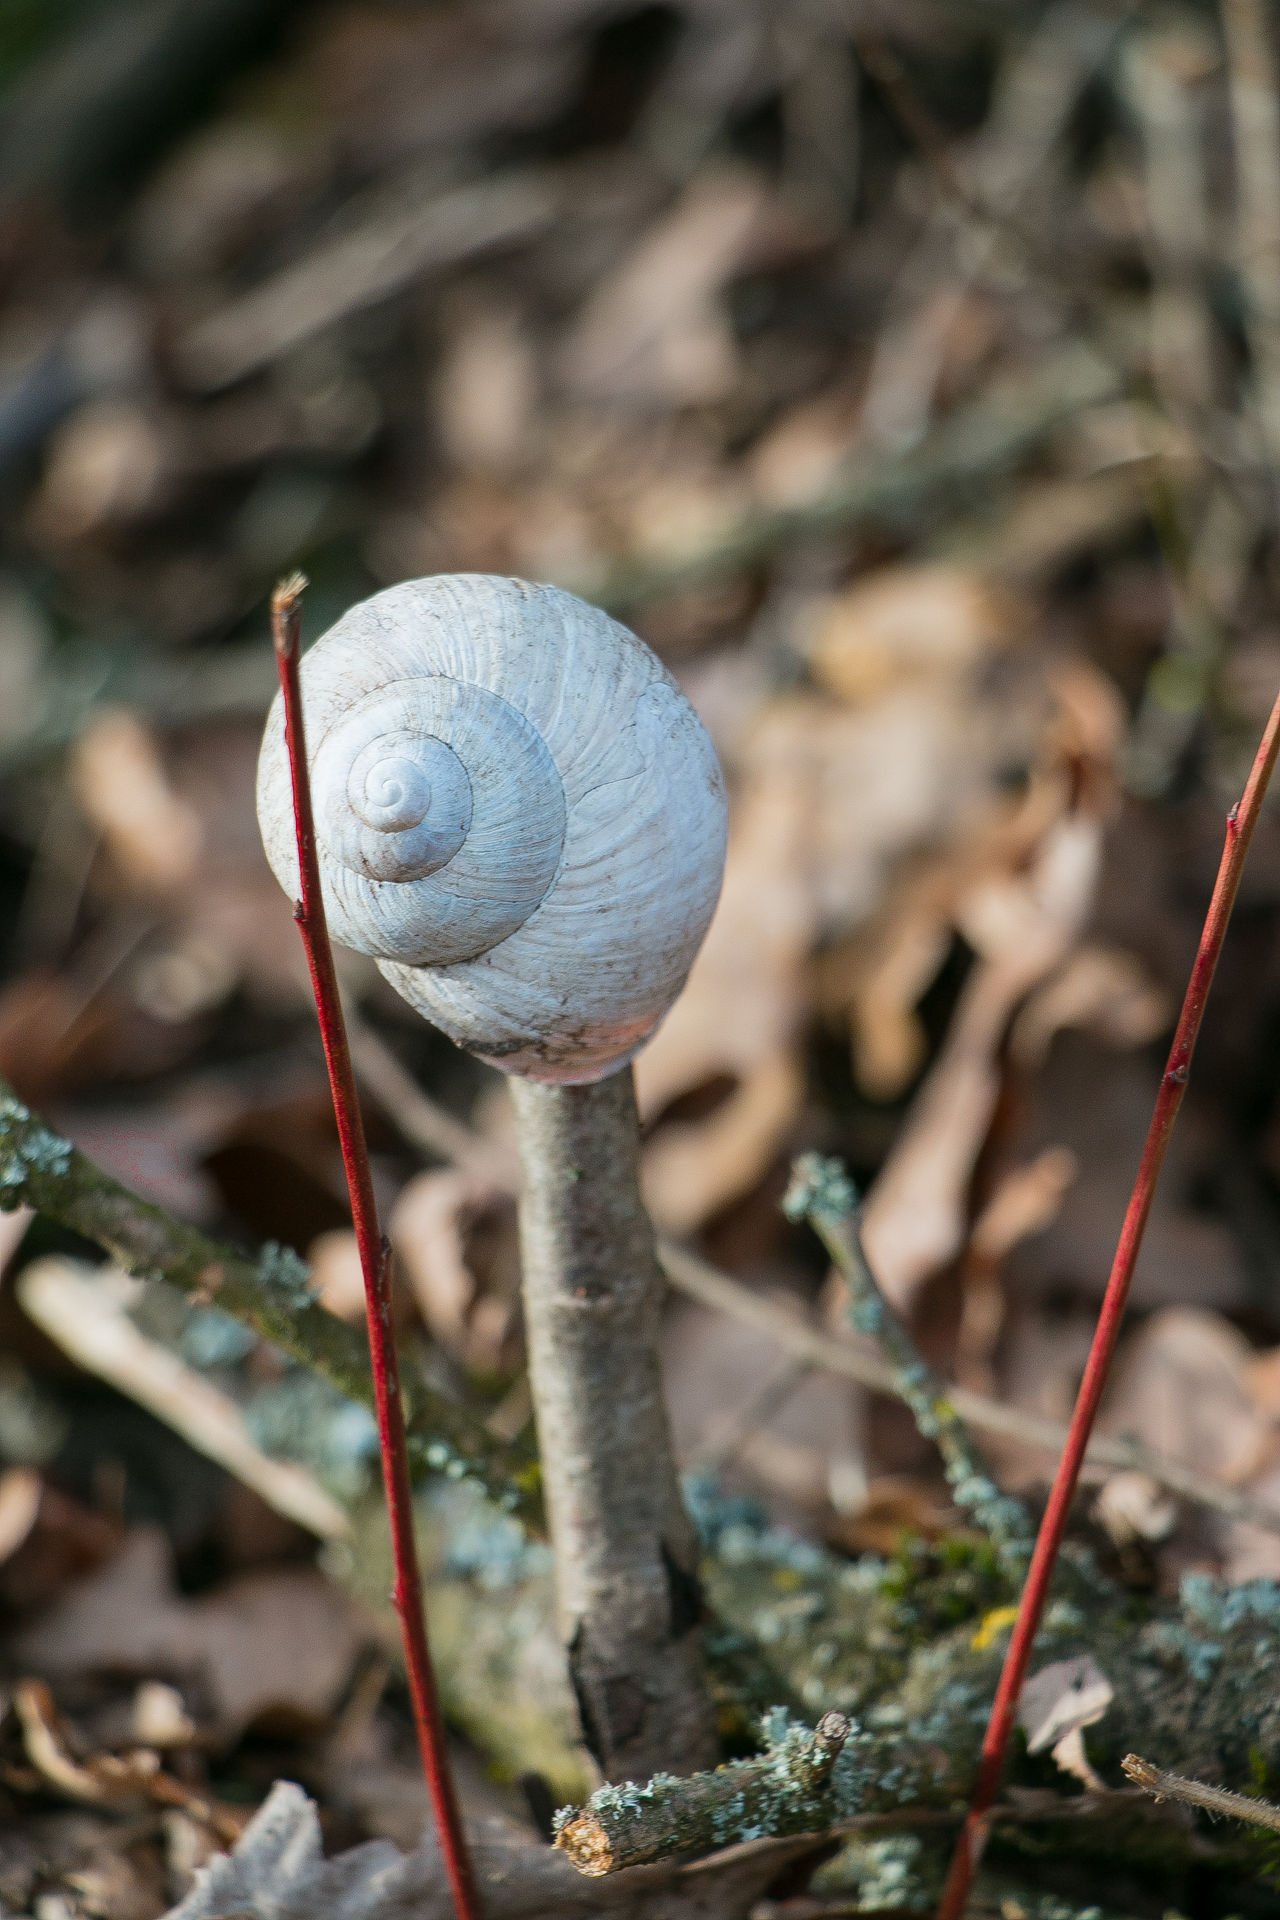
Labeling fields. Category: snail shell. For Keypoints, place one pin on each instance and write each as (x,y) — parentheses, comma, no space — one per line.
(518,814)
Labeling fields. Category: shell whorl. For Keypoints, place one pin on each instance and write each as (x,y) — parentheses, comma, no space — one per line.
(518,814)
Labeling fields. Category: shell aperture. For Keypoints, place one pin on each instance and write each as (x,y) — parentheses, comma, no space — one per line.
(518,814)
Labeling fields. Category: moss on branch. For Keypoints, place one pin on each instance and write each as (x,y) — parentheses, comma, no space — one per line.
(1195,1680)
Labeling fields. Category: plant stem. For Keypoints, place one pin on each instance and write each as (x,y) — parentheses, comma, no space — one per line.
(626,1558)
(1241,821)
(286,624)
(1193,1793)
(822,1193)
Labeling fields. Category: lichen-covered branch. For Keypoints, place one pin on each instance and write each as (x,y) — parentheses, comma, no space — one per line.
(822,1193)
(626,1554)
(787,1790)
(1194,1680)
(271,1294)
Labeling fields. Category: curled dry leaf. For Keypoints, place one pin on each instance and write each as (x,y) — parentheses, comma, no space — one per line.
(106,1779)
(1025,1202)
(915,1218)
(739,1015)
(443,1225)
(1133,1507)
(1099,990)
(1022,920)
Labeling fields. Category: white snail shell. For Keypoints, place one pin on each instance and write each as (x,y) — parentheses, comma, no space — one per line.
(518,814)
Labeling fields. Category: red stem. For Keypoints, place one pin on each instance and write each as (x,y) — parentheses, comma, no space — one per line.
(286,626)
(1241,822)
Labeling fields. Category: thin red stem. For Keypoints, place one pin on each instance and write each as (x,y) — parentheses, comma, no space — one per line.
(1241,822)
(286,626)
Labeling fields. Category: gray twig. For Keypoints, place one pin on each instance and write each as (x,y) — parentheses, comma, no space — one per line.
(626,1558)
(822,1193)
(785,1791)
(1193,1793)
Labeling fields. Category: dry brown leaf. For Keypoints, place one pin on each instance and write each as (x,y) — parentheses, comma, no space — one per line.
(433,1227)
(652,331)
(1025,1202)
(84,1311)
(915,1217)
(277,1639)
(1022,917)
(153,835)
(692,1169)
(906,623)
(104,1778)
(740,1012)
(336,1274)
(1262,1377)
(797,459)
(806,1454)
(892,1506)
(105,464)
(486,387)
(21,1489)
(1182,1385)
(881,996)
(1099,989)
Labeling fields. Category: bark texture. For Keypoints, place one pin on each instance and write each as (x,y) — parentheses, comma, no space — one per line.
(626,1555)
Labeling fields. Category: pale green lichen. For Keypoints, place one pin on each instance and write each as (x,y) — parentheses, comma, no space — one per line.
(303,1418)
(788,1788)
(27,1147)
(286,1276)
(819,1185)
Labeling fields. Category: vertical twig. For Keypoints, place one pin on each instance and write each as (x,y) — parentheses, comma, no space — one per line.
(822,1193)
(286,626)
(1241,821)
(626,1558)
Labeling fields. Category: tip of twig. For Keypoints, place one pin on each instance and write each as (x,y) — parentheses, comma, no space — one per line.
(1140,1771)
(286,613)
(832,1731)
(587,1844)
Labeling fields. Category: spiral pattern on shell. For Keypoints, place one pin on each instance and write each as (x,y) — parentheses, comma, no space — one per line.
(518,814)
